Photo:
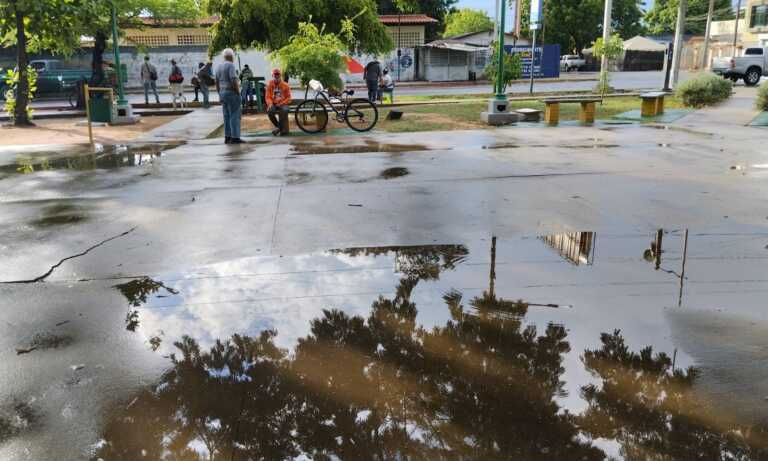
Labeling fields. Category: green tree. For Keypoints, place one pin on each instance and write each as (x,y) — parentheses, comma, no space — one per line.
(611,50)
(465,21)
(315,54)
(513,66)
(34,25)
(575,24)
(437,9)
(662,18)
(627,18)
(270,24)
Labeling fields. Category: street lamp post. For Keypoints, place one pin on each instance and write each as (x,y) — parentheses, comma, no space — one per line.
(498,107)
(116,46)
(500,96)
(124,115)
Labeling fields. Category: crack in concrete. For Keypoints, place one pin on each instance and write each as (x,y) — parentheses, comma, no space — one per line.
(62,261)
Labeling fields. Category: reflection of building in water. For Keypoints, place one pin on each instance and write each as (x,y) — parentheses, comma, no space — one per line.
(576,247)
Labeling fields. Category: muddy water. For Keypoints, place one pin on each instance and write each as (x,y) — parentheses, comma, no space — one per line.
(571,346)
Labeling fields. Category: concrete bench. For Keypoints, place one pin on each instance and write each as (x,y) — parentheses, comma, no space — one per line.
(653,103)
(586,113)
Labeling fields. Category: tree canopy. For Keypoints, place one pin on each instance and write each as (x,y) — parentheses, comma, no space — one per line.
(465,21)
(269,24)
(575,24)
(662,18)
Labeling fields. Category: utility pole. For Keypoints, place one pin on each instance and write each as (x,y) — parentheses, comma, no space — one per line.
(124,114)
(705,54)
(496,21)
(678,46)
(606,36)
(535,24)
(736,28)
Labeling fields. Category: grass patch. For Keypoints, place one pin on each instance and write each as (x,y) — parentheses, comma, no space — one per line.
(466,115)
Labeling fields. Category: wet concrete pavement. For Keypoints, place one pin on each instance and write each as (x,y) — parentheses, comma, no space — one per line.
(436,295)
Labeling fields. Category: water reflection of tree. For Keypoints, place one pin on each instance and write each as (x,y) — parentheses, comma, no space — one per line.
(483,386)
(652,410)
(136,292)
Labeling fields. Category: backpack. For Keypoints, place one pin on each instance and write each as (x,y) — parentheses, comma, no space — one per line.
(176,76)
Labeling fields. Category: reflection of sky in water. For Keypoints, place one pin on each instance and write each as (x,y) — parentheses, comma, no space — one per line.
(618,290)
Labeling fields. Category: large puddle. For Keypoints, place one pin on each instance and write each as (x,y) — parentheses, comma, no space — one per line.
(571,346)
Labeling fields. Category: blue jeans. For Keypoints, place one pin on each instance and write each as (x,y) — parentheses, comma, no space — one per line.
(230,103)
(150,84)
(245,92)
(205,89)
(373,89)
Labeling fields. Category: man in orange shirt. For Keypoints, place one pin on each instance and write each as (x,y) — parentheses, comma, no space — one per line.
(278,99)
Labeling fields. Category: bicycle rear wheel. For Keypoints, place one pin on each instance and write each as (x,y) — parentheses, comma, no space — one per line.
(361,115)
(311,116)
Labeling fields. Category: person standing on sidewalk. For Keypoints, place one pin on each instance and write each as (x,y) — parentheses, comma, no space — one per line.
(205,75)
(196,85)
(228,87)
(245,83)
(149,80)
(372,74)
(278,99)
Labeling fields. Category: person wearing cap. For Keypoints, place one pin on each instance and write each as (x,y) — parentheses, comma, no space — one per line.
(228,87)
(278,99)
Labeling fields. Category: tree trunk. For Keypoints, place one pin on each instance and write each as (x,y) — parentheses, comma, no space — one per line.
(21,118)
(97,63)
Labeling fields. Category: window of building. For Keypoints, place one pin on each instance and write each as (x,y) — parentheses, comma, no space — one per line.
(407,39)
(200,39)
(149,40)
(759,16)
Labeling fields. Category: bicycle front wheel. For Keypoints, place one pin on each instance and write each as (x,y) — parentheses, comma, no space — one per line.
(361,115)
(311,116)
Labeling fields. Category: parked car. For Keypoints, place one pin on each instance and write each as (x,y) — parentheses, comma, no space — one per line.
(571,62)
(53,77)
(750,67)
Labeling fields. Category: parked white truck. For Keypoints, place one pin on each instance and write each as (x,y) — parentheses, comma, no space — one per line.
(750,67)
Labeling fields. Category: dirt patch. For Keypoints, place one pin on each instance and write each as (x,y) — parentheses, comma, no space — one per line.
(68,132)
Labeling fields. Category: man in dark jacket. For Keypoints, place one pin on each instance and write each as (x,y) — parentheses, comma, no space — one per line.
(372,76)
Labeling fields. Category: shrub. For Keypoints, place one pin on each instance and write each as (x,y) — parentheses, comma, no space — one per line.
(762,97)
(704,90)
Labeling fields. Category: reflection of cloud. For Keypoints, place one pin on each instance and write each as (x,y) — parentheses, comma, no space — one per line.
(250,295)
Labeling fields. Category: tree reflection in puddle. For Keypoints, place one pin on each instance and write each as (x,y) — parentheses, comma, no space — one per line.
(483,385)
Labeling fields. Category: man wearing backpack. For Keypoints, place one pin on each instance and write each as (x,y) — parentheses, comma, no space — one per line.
(205,76)
(176,79)
(149,80)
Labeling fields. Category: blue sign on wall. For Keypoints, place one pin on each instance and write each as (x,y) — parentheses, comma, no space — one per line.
(546,63)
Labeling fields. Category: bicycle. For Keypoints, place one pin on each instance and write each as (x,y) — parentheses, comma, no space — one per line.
(312,115)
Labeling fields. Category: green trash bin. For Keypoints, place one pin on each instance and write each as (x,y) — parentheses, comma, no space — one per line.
(101,108)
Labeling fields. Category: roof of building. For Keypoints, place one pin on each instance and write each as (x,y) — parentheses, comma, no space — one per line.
(406,19)
(469,34)
(456,45)
(152,22)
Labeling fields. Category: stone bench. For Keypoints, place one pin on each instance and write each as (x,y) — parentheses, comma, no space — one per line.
(586,113)
(653,103)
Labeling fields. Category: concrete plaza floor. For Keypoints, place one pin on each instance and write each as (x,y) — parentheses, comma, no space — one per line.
(265,235)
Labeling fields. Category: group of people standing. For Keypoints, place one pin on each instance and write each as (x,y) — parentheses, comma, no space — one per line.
(378,81)
(228,84)
(235,88)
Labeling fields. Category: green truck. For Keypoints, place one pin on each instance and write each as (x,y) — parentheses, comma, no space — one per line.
(53,78)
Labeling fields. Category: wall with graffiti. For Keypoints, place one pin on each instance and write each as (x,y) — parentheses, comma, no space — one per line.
(406,69)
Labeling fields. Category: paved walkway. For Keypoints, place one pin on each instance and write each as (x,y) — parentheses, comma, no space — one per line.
(196,125)
(738,111)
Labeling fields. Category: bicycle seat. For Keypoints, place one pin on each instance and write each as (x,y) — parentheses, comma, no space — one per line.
(349,92)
